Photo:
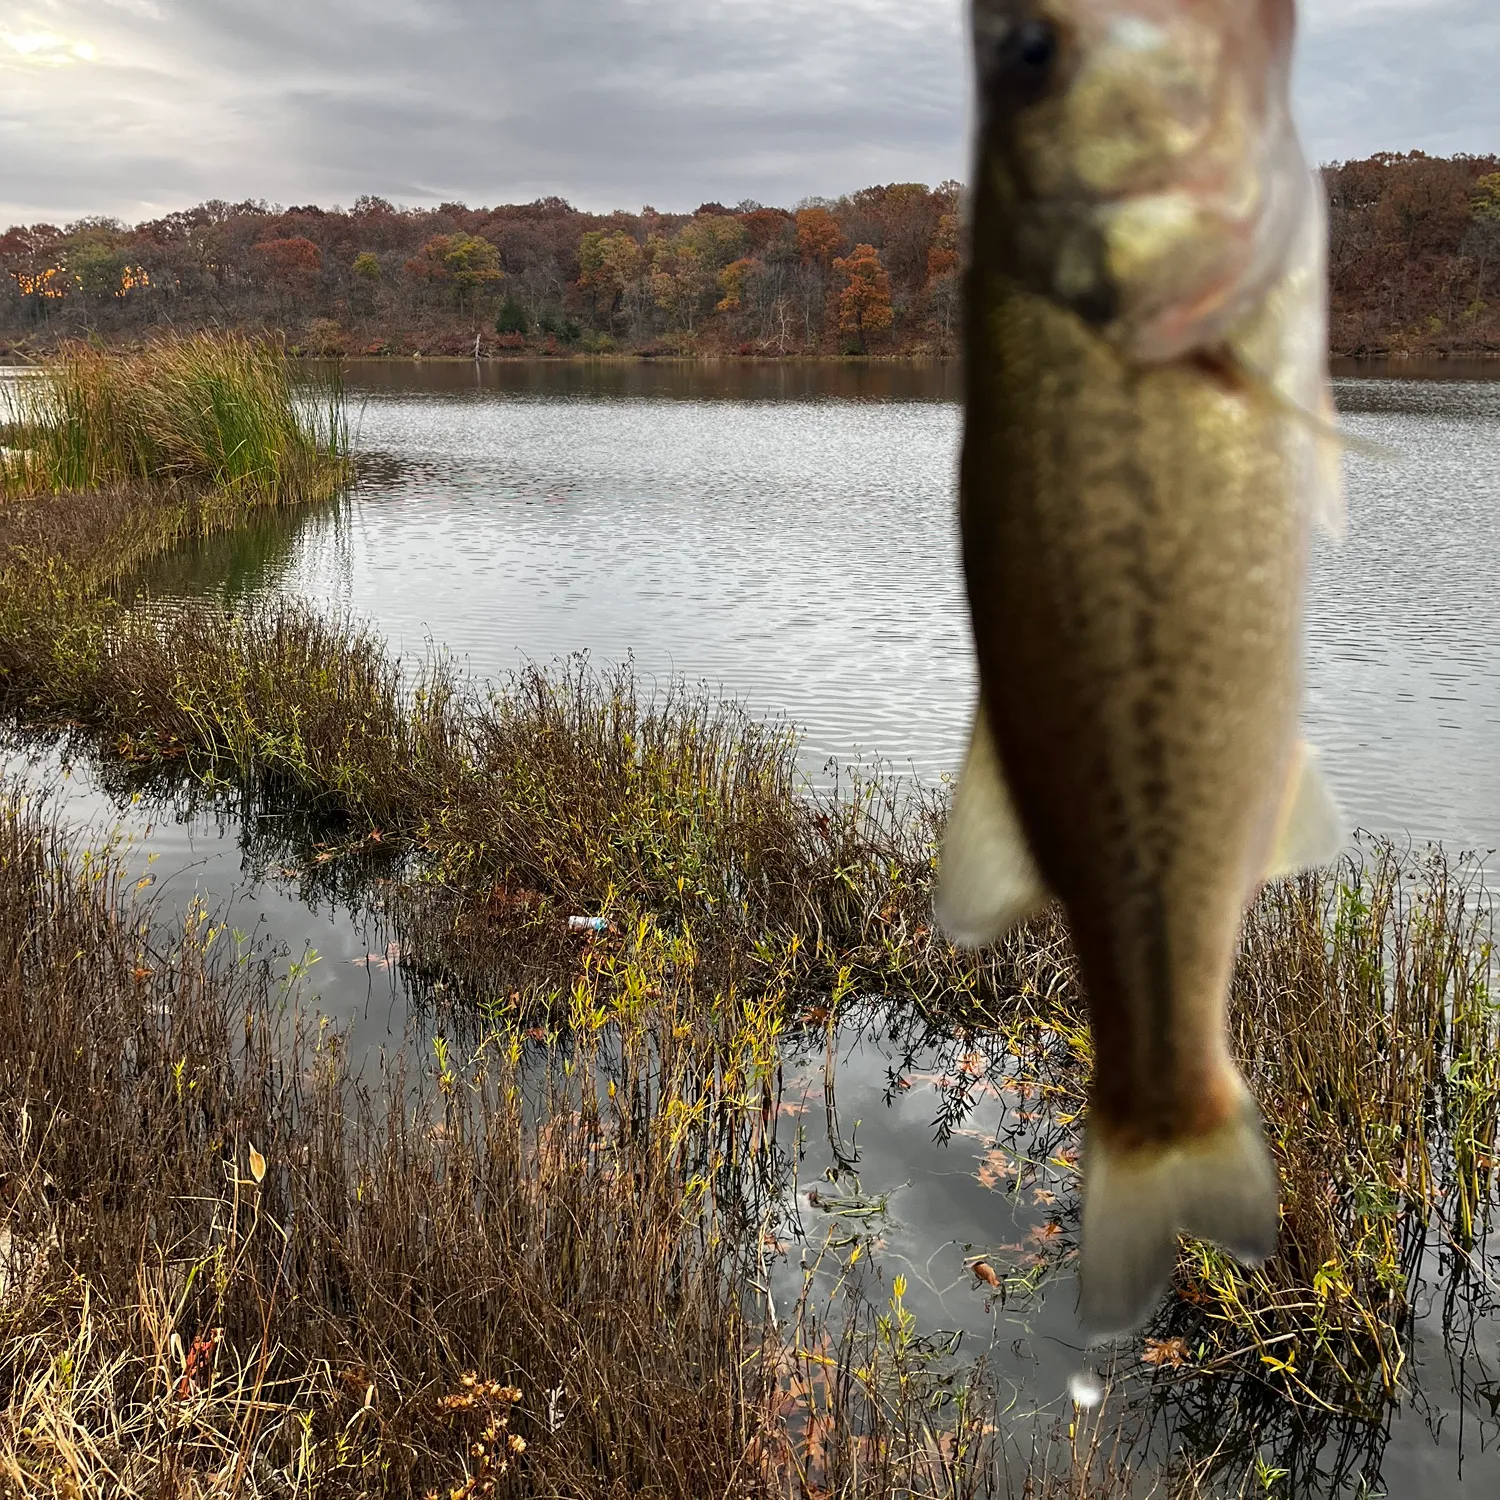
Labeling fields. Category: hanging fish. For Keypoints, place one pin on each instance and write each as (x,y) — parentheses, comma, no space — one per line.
(1148,436)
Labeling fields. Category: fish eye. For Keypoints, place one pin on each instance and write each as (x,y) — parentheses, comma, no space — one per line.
(1020,60)
(1034,45)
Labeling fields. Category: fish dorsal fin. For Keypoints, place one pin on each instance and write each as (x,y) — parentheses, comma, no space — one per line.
(1312,831)
(987,878)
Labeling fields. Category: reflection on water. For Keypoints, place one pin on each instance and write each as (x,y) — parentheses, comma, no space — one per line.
(665,379)
(786,531)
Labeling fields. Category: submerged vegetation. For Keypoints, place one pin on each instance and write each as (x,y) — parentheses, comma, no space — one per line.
(535,1258)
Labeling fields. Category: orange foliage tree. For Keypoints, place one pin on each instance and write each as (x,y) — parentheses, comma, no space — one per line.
(732,283)
(818,236)
(865,302)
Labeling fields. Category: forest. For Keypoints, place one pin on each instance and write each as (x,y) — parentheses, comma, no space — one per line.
(1414,269)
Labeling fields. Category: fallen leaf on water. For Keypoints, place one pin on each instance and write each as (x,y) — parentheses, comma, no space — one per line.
(986,1273)
(1045,1232)
(1174,1352)
(384,960)
(994,1167)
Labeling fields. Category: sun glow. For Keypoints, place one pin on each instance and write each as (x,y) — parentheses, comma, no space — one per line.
(47,48)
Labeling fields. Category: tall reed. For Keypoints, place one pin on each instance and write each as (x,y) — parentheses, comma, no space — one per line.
(209,411)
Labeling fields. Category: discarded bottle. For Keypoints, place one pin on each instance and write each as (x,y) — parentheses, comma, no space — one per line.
(588,924)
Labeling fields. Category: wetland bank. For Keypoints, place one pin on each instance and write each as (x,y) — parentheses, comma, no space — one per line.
(763,1189)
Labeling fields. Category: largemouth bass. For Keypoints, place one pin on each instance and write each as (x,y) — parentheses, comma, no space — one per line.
(1146,442)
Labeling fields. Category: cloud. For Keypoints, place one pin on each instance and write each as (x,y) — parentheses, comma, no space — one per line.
(1399,75)
(608,102)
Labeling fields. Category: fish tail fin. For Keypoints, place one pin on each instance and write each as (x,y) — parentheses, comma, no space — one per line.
(1220,1186)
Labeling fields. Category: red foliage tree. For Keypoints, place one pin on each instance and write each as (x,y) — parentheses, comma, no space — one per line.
(818,236)
(292,264)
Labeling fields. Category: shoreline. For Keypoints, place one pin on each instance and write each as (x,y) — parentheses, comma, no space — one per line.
(1485,361)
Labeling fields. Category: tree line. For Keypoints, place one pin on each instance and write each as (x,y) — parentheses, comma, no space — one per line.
(1415,267)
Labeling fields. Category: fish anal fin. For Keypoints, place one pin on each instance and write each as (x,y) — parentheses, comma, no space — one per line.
(1312,830)
(987,878)
(1220,1186)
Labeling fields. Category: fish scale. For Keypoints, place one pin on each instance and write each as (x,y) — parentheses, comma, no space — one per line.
(1135,500)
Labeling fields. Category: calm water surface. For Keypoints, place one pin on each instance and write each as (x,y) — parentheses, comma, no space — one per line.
(786,533)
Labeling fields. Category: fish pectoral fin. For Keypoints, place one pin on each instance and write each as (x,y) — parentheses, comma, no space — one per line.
(1329,505)
(987,878)
(1220,1187)
(1312,830)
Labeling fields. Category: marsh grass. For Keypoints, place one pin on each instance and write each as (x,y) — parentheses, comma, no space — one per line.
(211,412)
(188,1166)
(1363,1010)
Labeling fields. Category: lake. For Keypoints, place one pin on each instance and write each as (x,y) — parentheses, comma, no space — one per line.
(786,533)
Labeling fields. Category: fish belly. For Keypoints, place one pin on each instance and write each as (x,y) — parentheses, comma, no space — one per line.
(1134,557)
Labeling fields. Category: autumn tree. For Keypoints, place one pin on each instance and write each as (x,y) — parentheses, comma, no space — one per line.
(97,264)
(865,302)
(610,267)
(1483,237)
(463,262)
(367,266)
(818,236)
(291,264)
(31,256)
(818,239)
(686,267)
(943,274)
(732,281)
(764,226)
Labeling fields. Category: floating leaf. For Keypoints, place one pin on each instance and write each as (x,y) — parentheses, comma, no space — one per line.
(1174,1352)
(994,1167)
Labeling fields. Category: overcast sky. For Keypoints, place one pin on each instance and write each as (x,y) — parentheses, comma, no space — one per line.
(136,107)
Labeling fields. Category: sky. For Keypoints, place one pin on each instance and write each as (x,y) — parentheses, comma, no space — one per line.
(132,108)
